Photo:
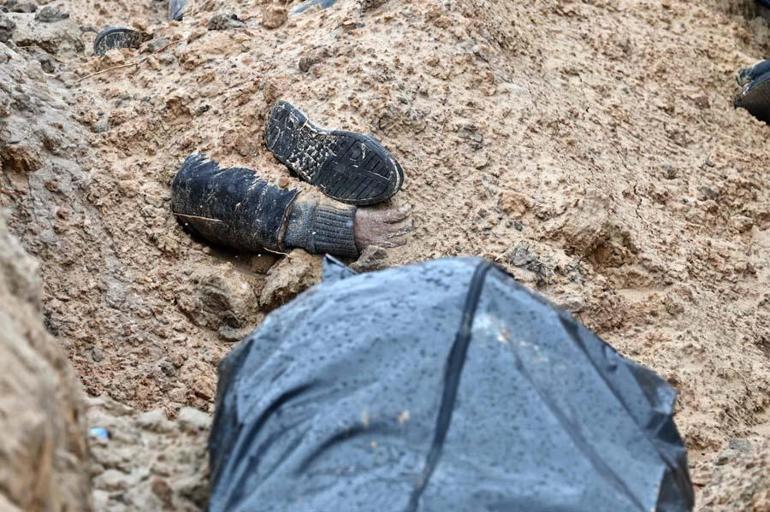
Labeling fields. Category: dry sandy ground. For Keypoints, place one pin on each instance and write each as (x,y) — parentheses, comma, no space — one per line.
(589,147)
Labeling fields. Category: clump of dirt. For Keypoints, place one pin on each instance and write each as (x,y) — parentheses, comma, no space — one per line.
(739,477)
(590,148)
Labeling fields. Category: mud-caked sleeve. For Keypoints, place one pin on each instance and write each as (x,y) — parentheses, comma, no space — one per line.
(322,228)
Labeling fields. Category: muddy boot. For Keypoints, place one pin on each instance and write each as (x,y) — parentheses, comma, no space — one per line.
(117,37)
(350,167)
(755,94)
(236,208)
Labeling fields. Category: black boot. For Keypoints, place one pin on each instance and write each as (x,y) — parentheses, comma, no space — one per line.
(236,208)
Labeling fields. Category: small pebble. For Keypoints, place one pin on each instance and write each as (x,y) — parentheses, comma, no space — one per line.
(7,26)
(22,7)
(193,420)
(50,14)
(157,44)
(225,21)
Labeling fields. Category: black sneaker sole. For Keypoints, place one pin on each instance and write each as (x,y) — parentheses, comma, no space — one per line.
(755,97)
(350,167)
(117,37)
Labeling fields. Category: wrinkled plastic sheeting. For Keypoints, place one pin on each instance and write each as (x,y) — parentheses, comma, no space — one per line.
(339,401)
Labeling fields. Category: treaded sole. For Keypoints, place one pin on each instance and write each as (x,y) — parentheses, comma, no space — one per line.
(350,167)
(755,97)
(117,37)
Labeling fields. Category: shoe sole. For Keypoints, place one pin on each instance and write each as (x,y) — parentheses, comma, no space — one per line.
(350,167)
(755,97)
(117,37)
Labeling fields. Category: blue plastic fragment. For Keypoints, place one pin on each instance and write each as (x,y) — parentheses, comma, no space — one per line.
(307,4)
(99,433)
(176,9)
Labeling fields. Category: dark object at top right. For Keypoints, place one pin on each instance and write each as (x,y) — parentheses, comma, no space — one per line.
(754,95)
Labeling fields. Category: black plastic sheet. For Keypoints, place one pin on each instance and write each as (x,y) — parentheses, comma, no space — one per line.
(443,386)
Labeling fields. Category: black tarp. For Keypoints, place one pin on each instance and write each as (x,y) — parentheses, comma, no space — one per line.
(444,386)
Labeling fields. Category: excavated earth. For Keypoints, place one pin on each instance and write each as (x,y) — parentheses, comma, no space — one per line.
(589,147)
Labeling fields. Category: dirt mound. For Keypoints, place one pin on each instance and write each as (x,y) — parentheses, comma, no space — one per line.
(739,478)
(43,444)
(589,147)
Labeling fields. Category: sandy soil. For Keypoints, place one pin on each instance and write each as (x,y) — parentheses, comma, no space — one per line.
(588,147)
